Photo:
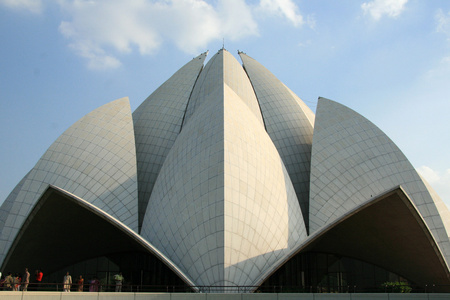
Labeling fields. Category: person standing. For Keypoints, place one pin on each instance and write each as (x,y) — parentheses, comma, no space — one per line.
(26,280)
(67,282)
(80,284)
(39,276)
(93,287)
(17,281)
(9,282)
(118,278)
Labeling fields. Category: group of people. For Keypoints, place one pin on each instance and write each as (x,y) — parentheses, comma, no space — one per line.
(93,284)
(19,282)
(68,283)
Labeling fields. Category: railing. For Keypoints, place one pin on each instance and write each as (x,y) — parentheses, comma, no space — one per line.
(59,287)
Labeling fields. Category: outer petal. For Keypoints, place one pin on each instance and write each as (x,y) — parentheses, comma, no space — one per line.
(352,161)
(442,208)
(93,159)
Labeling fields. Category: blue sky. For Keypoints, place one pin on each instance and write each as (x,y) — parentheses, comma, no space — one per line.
(388,60)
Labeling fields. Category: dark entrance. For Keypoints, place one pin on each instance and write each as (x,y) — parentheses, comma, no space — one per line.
(65,234)
(329,273)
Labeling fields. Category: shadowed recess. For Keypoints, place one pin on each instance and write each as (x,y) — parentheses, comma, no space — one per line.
(62,231)
(387,232)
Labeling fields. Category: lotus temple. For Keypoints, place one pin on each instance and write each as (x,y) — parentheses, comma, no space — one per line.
(224,178)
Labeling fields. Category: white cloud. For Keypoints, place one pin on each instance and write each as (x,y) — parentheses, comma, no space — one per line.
(439,73)
(283,8)
(97,58)
(101,30)
(378,8)
(429,174)
(440,181)
(443,22)
(192,24)
(442,71)
(236,19)
(34,6)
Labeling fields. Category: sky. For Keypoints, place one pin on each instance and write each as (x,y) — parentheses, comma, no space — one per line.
(388,60)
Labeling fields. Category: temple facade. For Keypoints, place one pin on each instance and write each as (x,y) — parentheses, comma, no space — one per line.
(223,177)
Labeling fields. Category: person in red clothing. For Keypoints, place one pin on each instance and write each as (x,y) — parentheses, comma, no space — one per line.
(80,284)
(39,276)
